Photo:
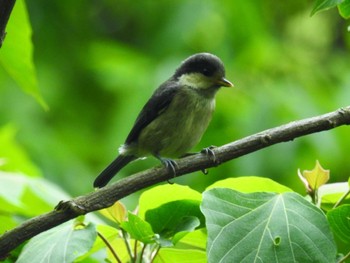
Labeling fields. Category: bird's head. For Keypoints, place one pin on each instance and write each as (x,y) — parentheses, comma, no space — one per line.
(202,71)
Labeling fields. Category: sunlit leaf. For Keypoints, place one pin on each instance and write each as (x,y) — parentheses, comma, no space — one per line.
(116,212)
(16,54)
(159,195)
(339,220)
(265,227)
(172,255)
(329,194)
(7,222)
(249,184)
(315,178)
(63,243)
(196,239)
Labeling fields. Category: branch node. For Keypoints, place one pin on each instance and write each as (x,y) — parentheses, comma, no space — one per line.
(332,123)
(71,207)
(265,139)
(211,154)
(342,111)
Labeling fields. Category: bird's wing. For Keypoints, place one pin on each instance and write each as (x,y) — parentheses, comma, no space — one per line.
(155,106)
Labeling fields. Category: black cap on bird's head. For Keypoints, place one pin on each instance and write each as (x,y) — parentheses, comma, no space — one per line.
(206,64)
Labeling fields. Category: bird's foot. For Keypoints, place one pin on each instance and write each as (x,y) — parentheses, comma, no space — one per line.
(210,153)
(170,164)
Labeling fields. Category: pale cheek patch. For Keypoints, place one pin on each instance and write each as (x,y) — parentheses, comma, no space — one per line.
(195,80)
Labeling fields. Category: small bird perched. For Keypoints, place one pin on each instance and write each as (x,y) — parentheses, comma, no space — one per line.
(174,119)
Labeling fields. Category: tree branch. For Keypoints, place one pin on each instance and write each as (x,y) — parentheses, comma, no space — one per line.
(108,195)
(6,7)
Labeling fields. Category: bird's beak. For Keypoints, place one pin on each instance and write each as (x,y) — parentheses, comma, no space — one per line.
(224,82)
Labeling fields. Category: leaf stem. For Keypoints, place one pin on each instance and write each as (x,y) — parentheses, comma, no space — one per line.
(347,256)
(127,244)
(135,251)
(342,198)
(155,254)
(142,252)
(114,253)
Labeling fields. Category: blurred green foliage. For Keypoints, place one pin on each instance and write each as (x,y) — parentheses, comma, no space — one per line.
(97,63)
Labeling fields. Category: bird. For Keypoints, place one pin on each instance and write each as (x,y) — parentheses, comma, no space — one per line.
(175,117)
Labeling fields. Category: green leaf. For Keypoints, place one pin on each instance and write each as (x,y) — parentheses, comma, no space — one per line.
(321,5)
(63,243)
(265,227)
(344,9)
(163,194)
(249,184)
(339,220)
(7,223)
(315,178)
(12,188)
(26,195)
(175,219)
(329,194)
(139,229)
(111,234)
(117,212)
(187,225)
(172,255)
(196,239)
(13,157)
(17,52)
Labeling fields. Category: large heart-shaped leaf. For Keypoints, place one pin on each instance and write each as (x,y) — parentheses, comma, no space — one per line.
(265,227)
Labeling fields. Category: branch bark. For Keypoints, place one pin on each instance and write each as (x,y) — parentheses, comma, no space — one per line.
(108,195)
(6,7)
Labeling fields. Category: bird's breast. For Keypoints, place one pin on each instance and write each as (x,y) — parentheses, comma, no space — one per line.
(180,127)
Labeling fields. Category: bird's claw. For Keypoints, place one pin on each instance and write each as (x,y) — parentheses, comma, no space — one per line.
(210,153)
(170,164)
(205,171)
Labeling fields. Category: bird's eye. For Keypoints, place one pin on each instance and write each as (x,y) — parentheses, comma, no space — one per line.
(205,72)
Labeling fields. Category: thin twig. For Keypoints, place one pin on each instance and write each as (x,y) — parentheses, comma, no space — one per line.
(109,247)
(155,254)
(127,244)
(346,257)
(142,251)
(135,250)
(342,198)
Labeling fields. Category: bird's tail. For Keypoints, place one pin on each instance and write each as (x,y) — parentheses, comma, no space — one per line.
(107,174)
